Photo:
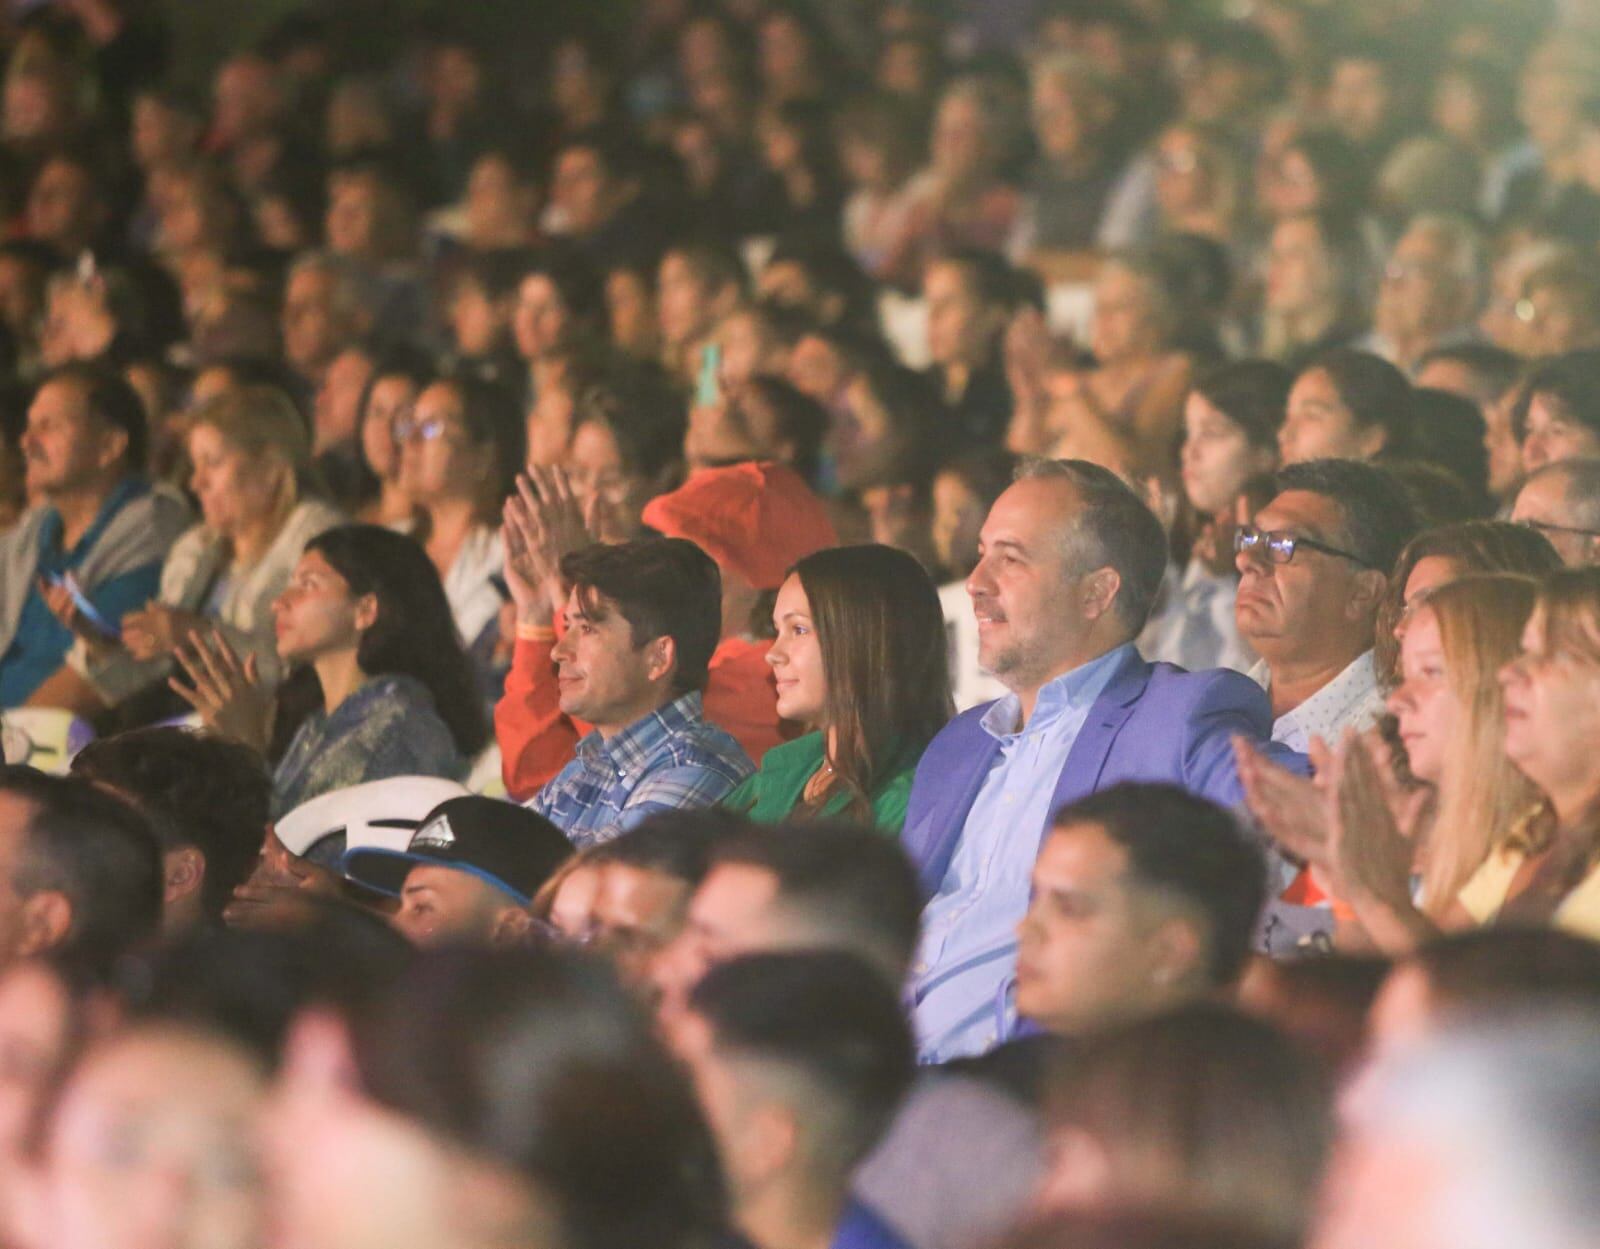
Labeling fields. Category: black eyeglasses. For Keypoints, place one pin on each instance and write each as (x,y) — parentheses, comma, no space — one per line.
(1280,547)
(1544,526)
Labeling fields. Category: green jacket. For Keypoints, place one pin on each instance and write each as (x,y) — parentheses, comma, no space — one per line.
(775,791)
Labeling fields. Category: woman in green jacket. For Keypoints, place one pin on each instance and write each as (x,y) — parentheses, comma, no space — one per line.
(860,660)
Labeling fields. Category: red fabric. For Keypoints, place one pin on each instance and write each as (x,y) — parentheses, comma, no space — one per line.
(537,739)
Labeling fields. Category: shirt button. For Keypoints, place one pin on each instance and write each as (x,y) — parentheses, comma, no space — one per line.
(919,969)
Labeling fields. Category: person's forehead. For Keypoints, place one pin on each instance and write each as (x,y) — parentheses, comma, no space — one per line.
(61,398)
(1300,510)
(443,880)
(1544,497)
(734,890)
(629,891)
(1032,508)
(1080,854)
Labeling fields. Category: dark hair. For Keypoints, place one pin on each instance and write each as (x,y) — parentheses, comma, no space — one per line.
(1494,369)
(1503,969)
(913,411)
(1570,383)
(645,414)
(111,401)
(1377,519)
(801,420)
(715,265)
(830,271)
(1340,169)
(851,888)
(97,851)
(1206,1111)
(881,632)
(491,419)
(1253,394)
(414,634)
(1183,845)
(664,587)
(986,472)
(197,789)
(1092,1228)
(580,286)
(1476,546)
(1450,430)
(833,1025)
(1114,529)
(987,274)
(541,1062)
(678,844)
(249,984)
(1375,392)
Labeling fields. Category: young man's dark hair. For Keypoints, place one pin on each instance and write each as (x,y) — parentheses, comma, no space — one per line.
(664,587)
(198,790)
(109,400)
(715,265)
(992,281)
(1191,849)
(1493,370)
(1497,968)
(830,1029)
(95,851)
(679,844)
(853,887)
(1377,518)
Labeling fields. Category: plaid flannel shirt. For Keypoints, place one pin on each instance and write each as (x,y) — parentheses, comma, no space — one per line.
(669,760)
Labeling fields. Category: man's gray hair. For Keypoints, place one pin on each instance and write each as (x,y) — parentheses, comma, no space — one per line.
(1509,1110)
(1580,489)
(1115,529)
(1466,257)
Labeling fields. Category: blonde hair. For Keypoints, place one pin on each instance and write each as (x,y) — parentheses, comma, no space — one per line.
(264,424)
(1482,796)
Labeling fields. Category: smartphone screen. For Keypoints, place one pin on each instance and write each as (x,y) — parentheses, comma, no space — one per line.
(86,609)
(708,388)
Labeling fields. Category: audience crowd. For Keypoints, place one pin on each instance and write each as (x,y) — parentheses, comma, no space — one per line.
(801,624)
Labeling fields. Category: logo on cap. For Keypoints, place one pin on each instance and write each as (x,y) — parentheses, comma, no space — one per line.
(436,834)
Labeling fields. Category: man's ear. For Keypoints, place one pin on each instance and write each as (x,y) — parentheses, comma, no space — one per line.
(770,1141)
(1366,593)
(1098,591)
(46,919)
(661,657)
(183,870)
(1178,948)
(113,446)
(510,928)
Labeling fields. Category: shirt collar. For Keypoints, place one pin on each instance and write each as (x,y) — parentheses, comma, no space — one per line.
(636,743)
(1072,690)
(1336,701)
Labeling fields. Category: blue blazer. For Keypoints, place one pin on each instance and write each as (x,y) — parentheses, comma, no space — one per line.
(1153,722)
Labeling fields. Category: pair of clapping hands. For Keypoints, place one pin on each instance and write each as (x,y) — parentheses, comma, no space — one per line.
(543,522)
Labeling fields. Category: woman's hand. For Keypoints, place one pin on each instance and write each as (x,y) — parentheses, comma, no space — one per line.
(1289,807)
(158,630)
(1371,826)
(228,694)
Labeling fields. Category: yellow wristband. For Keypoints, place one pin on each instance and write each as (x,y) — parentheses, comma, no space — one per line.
(535,633)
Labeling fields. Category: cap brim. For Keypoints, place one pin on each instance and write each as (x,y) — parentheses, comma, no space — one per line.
(385,871)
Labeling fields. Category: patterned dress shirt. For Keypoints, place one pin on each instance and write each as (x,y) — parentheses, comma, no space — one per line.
(669,760)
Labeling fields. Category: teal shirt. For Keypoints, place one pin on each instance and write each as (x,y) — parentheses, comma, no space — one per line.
(773,793)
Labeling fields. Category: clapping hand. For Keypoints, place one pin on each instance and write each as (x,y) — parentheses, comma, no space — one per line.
(228,693)
(157,630)
(1291,808)
(542,523)
(1373,822)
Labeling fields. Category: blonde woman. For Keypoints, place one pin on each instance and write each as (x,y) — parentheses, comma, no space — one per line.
(250,450)
(1468,801)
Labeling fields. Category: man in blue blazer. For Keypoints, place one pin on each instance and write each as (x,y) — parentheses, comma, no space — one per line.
(1069,564)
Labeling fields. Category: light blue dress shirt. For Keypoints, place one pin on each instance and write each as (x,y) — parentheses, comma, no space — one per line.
(969,945)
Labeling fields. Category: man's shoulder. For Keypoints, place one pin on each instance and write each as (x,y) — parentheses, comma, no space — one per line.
(1169,686)
(699,743)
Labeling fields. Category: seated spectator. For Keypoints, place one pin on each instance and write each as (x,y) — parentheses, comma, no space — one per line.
(364,611)
(1436,557)
(83,870)
(967,294)
(626,448)
(1431,291)
(1137,1120)
(477,1147)
(323,313)
(1200,183)
(1231,422)
(97,526)
(598,203)
(1473,973)
(1314,299)
(645,880)
(479,307)
(250,456)
(206,798)
(459,448)
(753,340)
(1562,502)
(754,519)
(1557,412)
(1070,564)
(557,313)
(800,1061)
(1176,877)
(699,283)
(1488,377)
(642,621)
(1125,412)
(1559,308)
(797,191)
(336,423)
(1451,438)
(964,489)
(859,660)
(878,148)
(1347,405)
(200,1093)
(1422,1152)
(468,874)
(391,394)
(764,418)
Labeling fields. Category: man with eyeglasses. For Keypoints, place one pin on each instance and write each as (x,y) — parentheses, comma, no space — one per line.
(1313,566)
(1562,501)
(1312,570)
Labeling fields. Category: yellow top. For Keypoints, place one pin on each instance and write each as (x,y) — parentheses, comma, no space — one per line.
(1485,894)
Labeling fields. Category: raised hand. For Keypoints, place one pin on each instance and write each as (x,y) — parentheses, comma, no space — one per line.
(229,694)
(542,523)
(158,630)
(1289,807)
(1371,851)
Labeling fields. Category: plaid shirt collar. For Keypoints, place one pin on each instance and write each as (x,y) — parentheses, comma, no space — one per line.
(631,750)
